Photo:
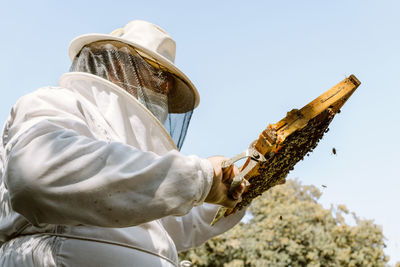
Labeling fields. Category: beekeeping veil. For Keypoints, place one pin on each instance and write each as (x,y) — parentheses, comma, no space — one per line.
(140,59)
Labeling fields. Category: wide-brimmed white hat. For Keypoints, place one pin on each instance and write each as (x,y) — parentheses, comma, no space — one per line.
(155,44)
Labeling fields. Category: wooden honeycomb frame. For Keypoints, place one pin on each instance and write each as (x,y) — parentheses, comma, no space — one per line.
(286,142)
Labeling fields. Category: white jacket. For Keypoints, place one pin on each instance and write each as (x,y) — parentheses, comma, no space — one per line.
(89,174)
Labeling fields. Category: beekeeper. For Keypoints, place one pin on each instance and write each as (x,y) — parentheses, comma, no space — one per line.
(91,173)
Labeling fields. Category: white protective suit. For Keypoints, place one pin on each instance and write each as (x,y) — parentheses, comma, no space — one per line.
(91,178)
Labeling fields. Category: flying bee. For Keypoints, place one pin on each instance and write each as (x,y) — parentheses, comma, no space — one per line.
(334,151)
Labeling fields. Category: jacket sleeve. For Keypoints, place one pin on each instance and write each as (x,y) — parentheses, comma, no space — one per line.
(56,175)
(194,228)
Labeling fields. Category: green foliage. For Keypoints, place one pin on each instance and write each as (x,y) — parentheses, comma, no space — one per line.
(290,228)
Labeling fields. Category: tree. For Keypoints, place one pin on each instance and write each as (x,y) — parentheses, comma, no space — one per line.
(290,228)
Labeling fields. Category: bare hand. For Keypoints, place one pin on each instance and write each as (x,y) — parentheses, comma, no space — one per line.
(219,192)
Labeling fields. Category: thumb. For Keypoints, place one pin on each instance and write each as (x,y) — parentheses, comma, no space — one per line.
(228,173)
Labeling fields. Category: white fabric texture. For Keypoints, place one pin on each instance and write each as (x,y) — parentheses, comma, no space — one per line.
(88,163)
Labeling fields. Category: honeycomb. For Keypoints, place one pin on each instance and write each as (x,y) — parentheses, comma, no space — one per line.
(285,143)
(285,156)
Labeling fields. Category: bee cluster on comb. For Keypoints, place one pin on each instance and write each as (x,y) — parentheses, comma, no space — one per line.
(287,142)
(285,156)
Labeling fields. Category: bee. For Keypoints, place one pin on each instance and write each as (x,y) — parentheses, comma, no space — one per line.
(280,217)
(334,151)
(324,186)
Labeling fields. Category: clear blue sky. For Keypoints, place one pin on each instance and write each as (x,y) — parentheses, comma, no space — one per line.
(251,64)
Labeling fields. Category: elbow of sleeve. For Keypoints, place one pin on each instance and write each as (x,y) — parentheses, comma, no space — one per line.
(23,203)
(24,190)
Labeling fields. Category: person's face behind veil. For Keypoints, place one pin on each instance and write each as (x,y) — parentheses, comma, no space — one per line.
(146,80)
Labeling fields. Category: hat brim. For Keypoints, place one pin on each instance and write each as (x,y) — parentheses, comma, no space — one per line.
(180,99)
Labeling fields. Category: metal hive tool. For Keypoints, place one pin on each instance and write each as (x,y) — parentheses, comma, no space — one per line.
(286,142)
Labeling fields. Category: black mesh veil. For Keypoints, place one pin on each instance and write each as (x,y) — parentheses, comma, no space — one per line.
(167,96)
